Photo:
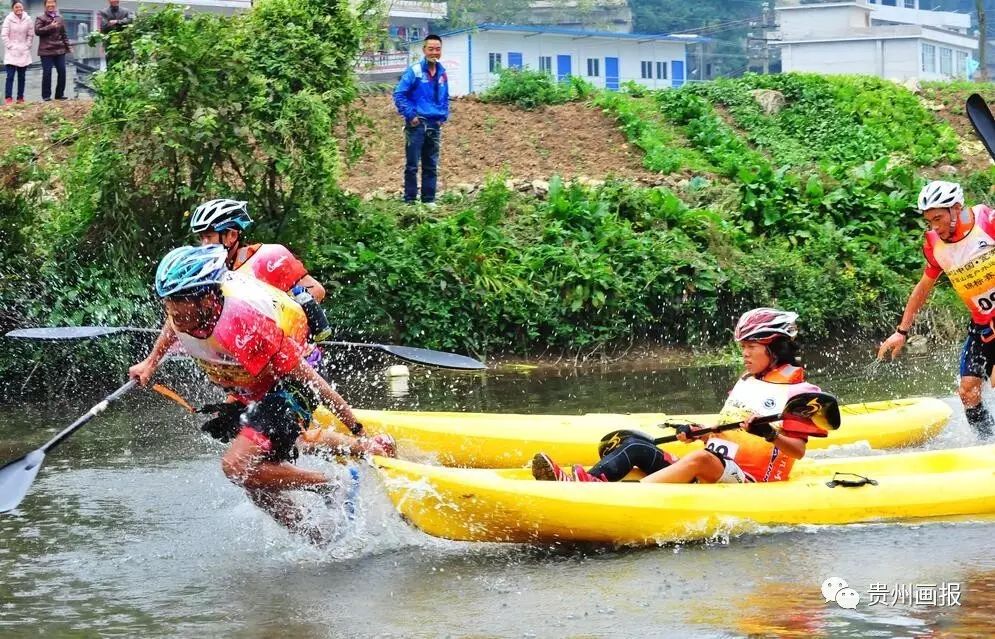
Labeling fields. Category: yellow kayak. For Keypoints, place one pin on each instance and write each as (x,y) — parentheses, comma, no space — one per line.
(492,440)
(509,506)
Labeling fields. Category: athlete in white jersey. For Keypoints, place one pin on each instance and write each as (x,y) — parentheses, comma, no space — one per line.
(961,243)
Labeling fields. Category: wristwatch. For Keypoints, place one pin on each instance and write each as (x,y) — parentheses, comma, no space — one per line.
(901,331)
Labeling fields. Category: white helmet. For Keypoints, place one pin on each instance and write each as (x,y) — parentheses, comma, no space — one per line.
(220,215)
(940,195)
(764,325)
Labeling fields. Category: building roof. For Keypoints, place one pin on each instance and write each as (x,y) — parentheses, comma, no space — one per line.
(579,33)
(823,5)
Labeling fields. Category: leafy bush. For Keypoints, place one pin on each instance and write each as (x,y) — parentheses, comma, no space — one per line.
(529,89)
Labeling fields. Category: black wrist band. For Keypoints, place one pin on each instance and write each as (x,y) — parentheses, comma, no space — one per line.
(903,333)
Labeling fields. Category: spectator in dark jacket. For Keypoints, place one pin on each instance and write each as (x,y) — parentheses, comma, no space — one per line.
(112,19)
(422,99)
(53,45)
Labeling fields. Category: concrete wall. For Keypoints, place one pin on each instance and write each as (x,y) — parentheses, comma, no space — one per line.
(816,19)
(897,59)
(831,57)
(455,58)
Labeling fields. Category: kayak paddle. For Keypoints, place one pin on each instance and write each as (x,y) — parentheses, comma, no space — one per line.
(821,410)
(424,356)
(17,476)
(984,123)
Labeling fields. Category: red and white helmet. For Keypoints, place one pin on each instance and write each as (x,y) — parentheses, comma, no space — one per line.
(764,325)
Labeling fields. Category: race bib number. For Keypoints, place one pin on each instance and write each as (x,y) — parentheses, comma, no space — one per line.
(722,447)
(985,301)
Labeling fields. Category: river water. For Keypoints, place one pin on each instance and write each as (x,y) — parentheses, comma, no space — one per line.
(132,531)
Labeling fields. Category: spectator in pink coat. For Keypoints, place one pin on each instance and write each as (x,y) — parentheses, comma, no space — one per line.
(17,34)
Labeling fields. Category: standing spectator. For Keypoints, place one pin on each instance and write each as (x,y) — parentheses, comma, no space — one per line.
(53,45)
(422,98)
(112,19)
(17,35)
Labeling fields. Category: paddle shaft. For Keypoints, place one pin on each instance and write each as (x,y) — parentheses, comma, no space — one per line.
(718,429)
(86,417)
(17,476)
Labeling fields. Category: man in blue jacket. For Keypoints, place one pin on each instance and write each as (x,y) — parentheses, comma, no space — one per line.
(422,99)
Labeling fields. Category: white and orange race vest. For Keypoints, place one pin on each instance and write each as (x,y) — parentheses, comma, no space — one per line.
(969,264)
(759,458)
(260,335)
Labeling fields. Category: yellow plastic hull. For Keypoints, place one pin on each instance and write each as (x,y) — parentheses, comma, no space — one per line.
(509,506)
(490,440)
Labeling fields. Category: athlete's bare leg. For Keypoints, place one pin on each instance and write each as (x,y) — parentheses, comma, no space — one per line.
(701,465)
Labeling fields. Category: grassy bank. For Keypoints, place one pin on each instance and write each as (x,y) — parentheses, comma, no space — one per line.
(810,207)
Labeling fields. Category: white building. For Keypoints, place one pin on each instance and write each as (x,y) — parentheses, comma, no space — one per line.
(474,56)
(868,38)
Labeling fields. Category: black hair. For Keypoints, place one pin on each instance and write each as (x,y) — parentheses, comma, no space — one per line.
(20,2)
(432,36)
(784,350)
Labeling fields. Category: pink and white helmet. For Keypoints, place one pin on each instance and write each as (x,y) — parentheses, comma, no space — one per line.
(764,325)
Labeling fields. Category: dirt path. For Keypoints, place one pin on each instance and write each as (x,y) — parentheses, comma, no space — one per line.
(569,140)
(948,105)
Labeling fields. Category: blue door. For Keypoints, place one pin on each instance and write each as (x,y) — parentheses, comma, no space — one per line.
(677,68)
(562,67)
(611,74)
(514,60)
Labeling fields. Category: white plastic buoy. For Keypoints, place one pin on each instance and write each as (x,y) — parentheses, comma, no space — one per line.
(398,370)
(397,380)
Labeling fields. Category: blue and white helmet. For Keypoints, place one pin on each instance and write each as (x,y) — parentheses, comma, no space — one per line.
(940,195)
(186,269)
(221,215)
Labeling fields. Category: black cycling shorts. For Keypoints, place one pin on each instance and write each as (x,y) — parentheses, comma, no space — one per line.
(977,358)
(282,415)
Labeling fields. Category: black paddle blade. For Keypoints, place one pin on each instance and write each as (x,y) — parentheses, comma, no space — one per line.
(75,332)
(981,118)
(822,409)
(16,478)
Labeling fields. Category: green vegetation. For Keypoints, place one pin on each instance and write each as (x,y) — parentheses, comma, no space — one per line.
(586,267)
(201,106)
(811,208)
(529,89)
(643,125)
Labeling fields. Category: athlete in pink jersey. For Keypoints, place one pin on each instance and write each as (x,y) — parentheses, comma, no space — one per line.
(249,338)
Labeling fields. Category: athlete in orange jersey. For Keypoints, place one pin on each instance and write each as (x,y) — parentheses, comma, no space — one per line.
(756,452)
(249,338)
(961,243)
